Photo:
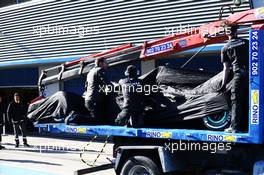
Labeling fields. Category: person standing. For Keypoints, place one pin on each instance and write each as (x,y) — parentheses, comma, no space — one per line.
(95,96)
(133,100)
(16,113)
(1,121)
(234,56)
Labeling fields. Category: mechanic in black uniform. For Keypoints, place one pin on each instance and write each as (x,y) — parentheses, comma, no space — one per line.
(16,113)
(96,83)
(1,121)
(235,54)
(132,106)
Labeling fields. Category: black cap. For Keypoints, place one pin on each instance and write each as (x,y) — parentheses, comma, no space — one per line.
(233,29)
(131,71)
(99,60)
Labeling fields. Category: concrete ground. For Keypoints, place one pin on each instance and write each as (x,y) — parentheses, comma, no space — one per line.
(56,156)
(50,156)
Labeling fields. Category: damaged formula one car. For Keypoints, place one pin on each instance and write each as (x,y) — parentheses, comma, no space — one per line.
(189,95)
(182,96)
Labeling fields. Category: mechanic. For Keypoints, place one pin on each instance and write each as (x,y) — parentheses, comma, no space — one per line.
(16,113)
(95,95)
(1,121)
(235,55)
(133,100)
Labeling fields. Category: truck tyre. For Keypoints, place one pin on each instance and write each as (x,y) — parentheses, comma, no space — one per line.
(140,165)
(218,121)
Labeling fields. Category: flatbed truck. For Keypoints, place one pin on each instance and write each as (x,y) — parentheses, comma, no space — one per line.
(157,151)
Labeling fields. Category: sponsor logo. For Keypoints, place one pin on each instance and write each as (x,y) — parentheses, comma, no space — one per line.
(221,138)
(259,13)
(212,137)
(183,43)
(75,130)
(166,135)
(81,130)
(230,138)
(255,107)
(255,97)
(158,134)
(71,130)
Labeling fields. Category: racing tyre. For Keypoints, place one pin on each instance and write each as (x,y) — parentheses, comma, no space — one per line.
(218,121)
(140,165)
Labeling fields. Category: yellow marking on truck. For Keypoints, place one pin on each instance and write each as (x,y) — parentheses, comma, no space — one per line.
(230,138)
(166,135)
(255,97)
(81,130)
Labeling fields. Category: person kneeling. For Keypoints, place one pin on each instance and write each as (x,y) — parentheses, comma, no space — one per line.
(132,106)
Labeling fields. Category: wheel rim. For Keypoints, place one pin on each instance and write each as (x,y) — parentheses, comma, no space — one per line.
(139,170)
(218,118)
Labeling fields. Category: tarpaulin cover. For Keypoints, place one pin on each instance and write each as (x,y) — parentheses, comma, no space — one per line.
(182,95)
(57,107)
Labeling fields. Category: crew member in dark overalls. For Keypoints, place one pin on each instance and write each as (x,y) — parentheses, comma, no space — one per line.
(95,96)
(1,121)
(16,113)
(133,99)
(235,54)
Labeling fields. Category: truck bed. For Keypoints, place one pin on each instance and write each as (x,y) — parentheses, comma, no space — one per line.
(254,135)
(172,134)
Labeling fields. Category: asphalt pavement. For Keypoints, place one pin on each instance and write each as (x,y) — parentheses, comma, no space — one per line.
(51,156)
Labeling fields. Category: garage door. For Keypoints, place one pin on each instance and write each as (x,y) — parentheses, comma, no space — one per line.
(22,77)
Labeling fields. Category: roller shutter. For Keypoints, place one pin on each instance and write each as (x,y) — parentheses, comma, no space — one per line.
(107,24)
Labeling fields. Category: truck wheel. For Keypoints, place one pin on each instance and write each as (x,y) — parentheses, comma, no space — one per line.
(140,165)
(218,121)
